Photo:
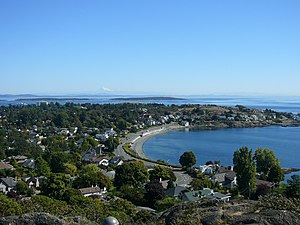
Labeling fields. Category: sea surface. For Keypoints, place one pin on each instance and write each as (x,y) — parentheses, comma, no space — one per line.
(282,104)
(220,144)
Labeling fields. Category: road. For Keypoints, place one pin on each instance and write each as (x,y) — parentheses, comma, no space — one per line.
(135,138)
(183,179)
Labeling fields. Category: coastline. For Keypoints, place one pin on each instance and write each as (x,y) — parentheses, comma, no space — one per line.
(138,142)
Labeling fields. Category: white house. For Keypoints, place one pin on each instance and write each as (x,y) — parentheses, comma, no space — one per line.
(206,169)
(90,191)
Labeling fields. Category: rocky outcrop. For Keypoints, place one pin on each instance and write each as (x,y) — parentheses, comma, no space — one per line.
(43,219)
(187,213)
(231,214)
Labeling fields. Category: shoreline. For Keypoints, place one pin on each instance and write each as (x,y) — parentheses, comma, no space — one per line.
(137,143)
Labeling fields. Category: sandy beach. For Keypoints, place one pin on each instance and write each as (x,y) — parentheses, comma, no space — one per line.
(142,136)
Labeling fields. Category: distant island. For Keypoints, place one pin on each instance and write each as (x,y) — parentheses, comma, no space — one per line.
(50,99)
(149,98)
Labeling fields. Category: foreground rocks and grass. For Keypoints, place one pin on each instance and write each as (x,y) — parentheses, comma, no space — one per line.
(270,209)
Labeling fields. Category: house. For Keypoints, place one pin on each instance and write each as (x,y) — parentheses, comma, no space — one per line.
(116,161)
(224,169)
(33,182)
(226,179)
(175,192)
(92,191)
(29,163)
(111,174)
(205,193)
(90,154)
(191,196)
(19,158)
(102,137)
(185,123)
(7,184)
(207,169)
(5,166)
(110,132)
(100,161)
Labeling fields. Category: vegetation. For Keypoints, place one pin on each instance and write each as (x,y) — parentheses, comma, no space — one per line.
(58,136)
(187,159)
(132,173)
(293,189)
(162,172)
(245,169)
(268,165)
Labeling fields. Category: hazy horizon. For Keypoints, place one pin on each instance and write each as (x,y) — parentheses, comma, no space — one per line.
(158,47)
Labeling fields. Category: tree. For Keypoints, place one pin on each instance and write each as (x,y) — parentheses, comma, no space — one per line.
(111,143)
(245,169)
(21,188)
(133,173)
(42,167)
(144,217)
(165,203)
(268,165)
(170,184)
(133,194)
(275,174)
(154,192)
(56,185)
(187,159)
(70,169)
(162,172)
(57,161)
(2,153)
(293,189)
(9,207)
(92,179)
(201,182)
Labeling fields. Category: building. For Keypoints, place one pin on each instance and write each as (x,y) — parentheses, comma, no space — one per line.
(206,169)
(7,184)
(92,191)
(5,166)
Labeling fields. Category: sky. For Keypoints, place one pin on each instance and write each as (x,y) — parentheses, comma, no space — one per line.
(160,46)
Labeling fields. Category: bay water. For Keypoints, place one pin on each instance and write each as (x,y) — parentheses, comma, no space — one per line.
(220,144)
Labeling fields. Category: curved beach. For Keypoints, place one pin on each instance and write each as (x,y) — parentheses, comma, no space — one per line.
(141,137)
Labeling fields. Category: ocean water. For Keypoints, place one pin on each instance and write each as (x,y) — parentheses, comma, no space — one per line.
(220,144)
(283,104)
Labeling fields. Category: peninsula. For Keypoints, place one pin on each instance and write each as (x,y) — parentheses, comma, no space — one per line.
(149,98)
(50,99)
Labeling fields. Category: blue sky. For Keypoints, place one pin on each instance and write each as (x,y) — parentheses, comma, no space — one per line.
(158,46)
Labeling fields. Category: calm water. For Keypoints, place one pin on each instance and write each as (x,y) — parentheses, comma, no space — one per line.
(220,144)
(283,104)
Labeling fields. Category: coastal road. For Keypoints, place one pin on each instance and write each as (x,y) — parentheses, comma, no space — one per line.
(183,179)
(137,141)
